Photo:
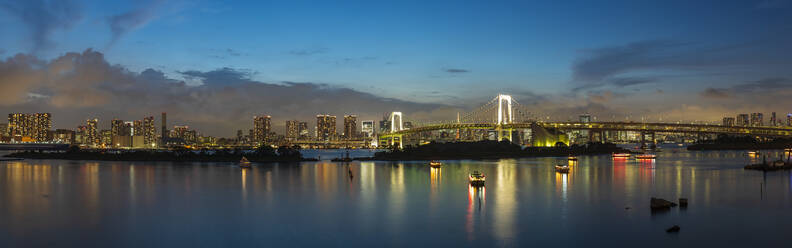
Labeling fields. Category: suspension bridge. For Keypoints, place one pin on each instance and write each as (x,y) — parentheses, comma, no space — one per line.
(503,115)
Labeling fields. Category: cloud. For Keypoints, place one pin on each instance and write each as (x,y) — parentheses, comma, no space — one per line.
(44,17)
(715,93)
(762,86)
(76,86)
(126,22)
(454,70)
(655,61)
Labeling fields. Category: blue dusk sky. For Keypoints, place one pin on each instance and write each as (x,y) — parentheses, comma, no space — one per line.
(215,64)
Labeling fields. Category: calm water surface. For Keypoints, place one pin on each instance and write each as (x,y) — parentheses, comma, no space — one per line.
(47,203)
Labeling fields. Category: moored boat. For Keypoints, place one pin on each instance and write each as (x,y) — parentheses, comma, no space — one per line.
(244,163)
(476,178)
(562,168)
(435,164)
(621,155)
(646,156)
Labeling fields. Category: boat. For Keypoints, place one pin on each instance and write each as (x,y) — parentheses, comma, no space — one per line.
(562,168)
(646,156)
(244,163)
(572,158)
(476,178)
(435,164)
(621,155)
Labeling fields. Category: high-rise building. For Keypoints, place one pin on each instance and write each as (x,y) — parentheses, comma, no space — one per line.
(64,136)
(367,127)
(261,128)
(728,121)
(757,119)
(789,120)
(137,128)
(350,126)
(292,130)
(302,129)
(743,120)
(107,137)
(91,132)
(325,127)
(129,128)
(117,127)
(773,120)
(3,129)
(164,132)
(29,127)
(149,132)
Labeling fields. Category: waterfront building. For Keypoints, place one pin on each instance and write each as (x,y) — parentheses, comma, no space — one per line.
(291,130)
(107,137)
(3,129)
(728,121)
(325,127)
(117,127)
(137,128)
(367,127)
(149,132)
(789,120)
(29,127)
(296,130)
(91,132)
(743,120)
(773,120)
(164,132)
(350,126)
(757,120)
(302,129)
(64,136)
(261,128)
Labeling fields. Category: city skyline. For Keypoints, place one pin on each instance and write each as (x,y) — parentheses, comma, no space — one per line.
(615,61)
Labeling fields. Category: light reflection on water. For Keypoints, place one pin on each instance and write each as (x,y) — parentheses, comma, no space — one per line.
(601,201)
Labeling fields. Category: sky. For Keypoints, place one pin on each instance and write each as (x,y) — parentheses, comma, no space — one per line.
(213,65)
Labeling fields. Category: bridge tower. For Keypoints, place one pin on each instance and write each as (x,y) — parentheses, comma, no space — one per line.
(397,127)
(505,117)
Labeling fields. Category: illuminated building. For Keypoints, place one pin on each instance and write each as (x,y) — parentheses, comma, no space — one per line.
(107,137)
(789,120)
(757,120)
(325,127)
(64,136)
(3,129)
(728,121)
(261,128)
(117,127)
(585,118)
(407,125)
(773,120)
(149,132)
(91,133)
(296,130)
(302,129)
(367,128)
(164,132)
(743,120)
(350,126)
(29,127)
(137,128)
